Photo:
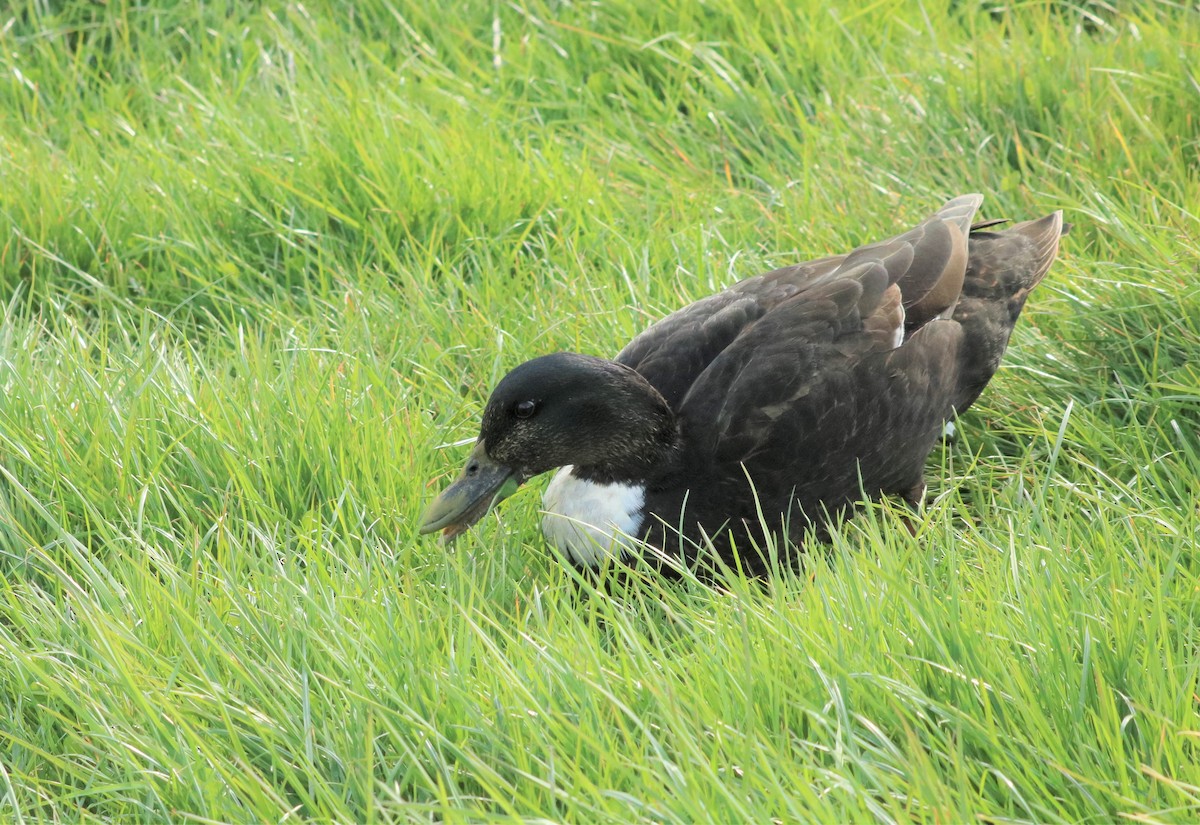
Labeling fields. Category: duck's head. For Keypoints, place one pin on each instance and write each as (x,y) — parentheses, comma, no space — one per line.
(559,409)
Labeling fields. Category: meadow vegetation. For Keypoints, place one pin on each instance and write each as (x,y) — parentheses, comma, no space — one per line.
(261,263)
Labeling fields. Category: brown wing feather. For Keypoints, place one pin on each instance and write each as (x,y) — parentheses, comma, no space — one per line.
(939,300)
(770,369)
(776,350)
(925,264)
(813,421)
(673,352)
(887,320)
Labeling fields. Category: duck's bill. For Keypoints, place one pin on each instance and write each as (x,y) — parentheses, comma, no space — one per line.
(481,485)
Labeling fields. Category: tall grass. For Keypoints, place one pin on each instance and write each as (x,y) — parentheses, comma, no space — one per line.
(260,262)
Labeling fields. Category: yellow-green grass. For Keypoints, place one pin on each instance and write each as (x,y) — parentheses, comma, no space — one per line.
(260,262)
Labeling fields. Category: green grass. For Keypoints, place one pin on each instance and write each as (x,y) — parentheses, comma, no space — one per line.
(260,262)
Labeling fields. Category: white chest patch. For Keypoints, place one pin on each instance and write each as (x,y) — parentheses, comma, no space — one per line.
(590,521)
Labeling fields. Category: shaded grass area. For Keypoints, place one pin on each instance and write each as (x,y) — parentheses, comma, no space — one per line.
(259,263)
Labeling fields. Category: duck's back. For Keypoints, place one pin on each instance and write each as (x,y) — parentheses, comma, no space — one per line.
(926,264)
(801,389)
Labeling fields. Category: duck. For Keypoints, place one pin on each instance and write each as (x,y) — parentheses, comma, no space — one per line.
(734,429)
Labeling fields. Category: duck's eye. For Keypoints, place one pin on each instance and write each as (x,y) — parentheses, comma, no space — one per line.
(525,409)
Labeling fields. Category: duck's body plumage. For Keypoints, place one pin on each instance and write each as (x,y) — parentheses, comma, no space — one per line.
(775,405)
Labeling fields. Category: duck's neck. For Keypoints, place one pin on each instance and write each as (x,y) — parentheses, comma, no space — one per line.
(655,456)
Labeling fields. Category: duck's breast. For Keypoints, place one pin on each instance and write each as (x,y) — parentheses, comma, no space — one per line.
(589,521)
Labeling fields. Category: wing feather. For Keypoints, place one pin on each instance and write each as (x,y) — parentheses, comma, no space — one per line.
(903,283)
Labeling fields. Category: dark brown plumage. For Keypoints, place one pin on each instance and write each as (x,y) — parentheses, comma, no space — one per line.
(782,400)
(816,405)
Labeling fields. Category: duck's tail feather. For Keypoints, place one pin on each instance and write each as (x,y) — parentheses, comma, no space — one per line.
(1044,234)
(979,226)
(1002,269)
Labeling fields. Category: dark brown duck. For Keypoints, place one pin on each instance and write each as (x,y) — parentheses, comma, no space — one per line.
(766,410)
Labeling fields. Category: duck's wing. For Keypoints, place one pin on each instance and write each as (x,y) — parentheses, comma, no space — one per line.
(673,352)
(798,374)
(858,359)
(926,264)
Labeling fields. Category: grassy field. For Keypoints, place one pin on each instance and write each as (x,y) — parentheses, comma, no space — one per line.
(261,264)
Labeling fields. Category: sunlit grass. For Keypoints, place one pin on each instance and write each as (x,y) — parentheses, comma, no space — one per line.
(260,263)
